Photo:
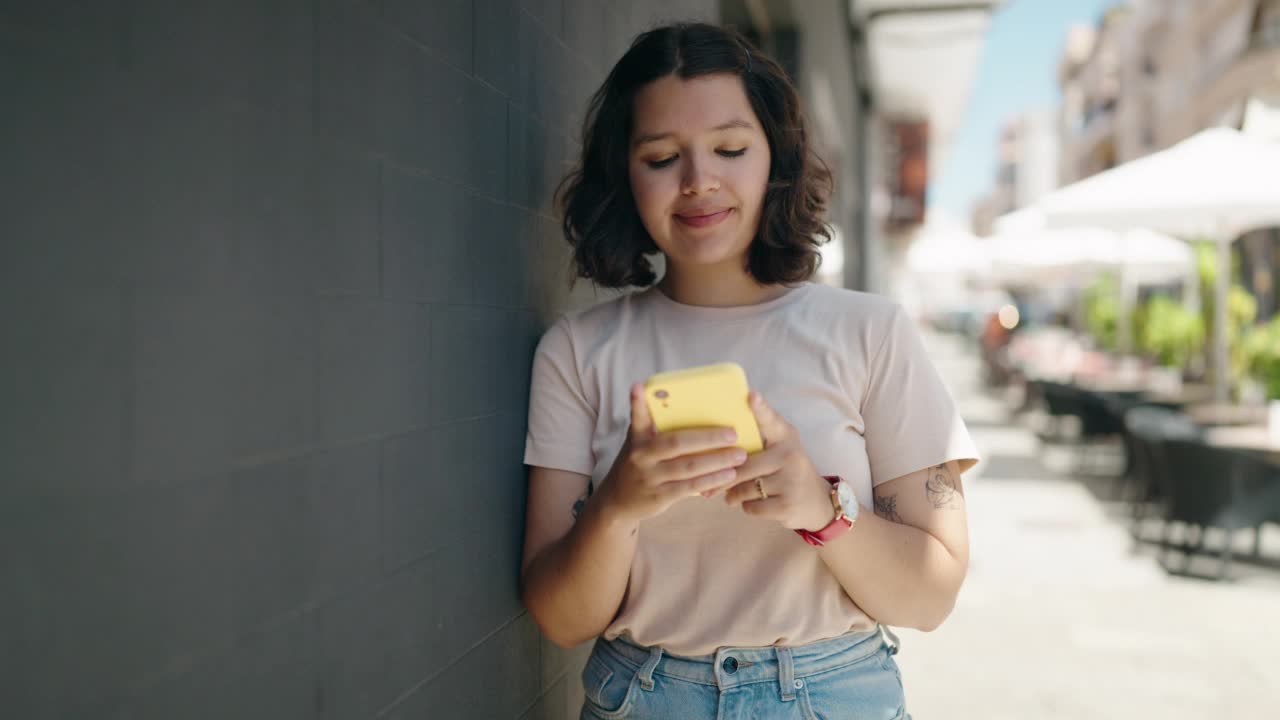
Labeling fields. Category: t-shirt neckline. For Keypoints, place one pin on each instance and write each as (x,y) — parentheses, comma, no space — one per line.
(729,312)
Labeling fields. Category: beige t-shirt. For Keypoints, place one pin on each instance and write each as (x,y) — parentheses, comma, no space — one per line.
(847,369)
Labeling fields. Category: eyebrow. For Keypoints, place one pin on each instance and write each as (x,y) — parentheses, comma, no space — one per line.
(652,137)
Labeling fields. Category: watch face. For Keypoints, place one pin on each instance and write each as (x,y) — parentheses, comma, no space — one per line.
(848,501)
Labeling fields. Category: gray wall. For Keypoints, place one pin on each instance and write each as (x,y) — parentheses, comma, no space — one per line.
(271,275)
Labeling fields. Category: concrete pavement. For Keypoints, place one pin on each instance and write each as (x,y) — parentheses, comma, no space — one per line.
(1060,618)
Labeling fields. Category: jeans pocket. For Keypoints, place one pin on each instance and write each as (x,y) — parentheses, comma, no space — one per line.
(870,688)
(608,687)
(891,665)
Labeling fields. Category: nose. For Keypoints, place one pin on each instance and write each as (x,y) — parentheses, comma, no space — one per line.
(698,178)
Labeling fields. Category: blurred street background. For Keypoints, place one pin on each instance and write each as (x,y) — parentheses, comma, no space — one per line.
(272,274)
(1097,274)
(1063,616)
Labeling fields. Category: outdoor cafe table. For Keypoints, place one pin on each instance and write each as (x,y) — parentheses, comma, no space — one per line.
(1190,394)
(1227,414)
(1102,383)
(1251,438)
(1141,389)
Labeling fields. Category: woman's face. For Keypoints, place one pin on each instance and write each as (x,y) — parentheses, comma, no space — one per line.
(699,165)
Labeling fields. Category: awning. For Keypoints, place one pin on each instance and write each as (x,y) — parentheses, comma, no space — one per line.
(923,56)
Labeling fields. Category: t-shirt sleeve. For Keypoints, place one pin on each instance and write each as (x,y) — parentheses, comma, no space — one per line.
(910,419)
(561,419)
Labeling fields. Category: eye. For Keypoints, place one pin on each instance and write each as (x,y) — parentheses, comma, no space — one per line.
(659,164)
(732,153)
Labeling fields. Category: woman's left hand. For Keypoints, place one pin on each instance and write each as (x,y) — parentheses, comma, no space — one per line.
(795,494)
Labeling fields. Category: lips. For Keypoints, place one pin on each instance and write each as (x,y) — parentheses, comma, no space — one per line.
(703,217)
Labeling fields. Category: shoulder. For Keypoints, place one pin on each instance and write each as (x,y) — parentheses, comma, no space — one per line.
(606,314)
(585,326)
(855,314)
(863,304)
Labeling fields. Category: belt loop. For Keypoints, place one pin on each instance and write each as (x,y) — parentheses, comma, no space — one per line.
(890,639)
(786,674)
(646,670)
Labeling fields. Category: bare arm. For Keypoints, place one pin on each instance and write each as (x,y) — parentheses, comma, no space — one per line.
(579,546)
(577,559)
(904,563)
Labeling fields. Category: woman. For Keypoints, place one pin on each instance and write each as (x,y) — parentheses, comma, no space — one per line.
(689,559)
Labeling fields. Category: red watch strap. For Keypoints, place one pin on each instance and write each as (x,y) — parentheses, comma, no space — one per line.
(834,529)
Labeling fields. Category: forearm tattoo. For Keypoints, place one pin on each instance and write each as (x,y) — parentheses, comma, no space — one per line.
(581,502)
(887,508)
(941,488)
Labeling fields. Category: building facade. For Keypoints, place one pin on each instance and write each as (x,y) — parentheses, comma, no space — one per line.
(1154,72)
(1026,167)
(1089,75)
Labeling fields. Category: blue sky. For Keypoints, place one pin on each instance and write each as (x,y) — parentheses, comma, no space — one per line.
(1017,72)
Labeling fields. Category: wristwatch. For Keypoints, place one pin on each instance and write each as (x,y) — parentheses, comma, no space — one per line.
(846,506)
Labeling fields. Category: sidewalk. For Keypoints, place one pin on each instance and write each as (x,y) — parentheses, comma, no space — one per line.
(1059,619)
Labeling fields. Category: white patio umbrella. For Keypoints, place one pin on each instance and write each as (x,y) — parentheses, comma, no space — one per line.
(1215,185)
(940,264)
(1146,257)
(1022,220)
(946,252)
(1035,256)
(1027,253)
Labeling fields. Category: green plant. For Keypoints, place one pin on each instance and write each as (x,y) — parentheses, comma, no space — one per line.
(1102,311)
(1260,348)
(1242,308)
(1141,321)
(1169,332)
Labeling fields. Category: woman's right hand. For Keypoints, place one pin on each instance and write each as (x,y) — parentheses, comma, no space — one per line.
(655,470)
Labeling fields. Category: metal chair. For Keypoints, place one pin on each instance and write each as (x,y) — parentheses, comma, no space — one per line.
(1215,487)
(1146,429)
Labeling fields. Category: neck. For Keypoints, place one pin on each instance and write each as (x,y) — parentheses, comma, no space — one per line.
(716,287)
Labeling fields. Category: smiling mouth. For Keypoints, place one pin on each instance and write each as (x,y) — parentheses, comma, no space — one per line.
(706,220)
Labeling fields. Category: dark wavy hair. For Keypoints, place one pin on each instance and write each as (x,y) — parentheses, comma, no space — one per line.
(599,213)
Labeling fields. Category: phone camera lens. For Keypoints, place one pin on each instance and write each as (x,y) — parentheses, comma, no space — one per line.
(661,394)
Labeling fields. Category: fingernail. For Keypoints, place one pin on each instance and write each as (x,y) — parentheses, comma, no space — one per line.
(730,435)
(740,456)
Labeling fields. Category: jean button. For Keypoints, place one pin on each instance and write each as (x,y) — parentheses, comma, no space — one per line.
(730,665)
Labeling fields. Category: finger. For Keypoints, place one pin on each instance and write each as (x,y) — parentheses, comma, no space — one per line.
(691,466)
(641,420)
(772,507)
(747,490)
(676,443)
(773,429)
(761,464)
(705,485)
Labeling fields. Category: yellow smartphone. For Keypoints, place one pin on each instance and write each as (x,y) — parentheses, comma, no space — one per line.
(705,396)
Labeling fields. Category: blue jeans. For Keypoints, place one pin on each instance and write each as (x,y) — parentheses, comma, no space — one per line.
(851,676)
